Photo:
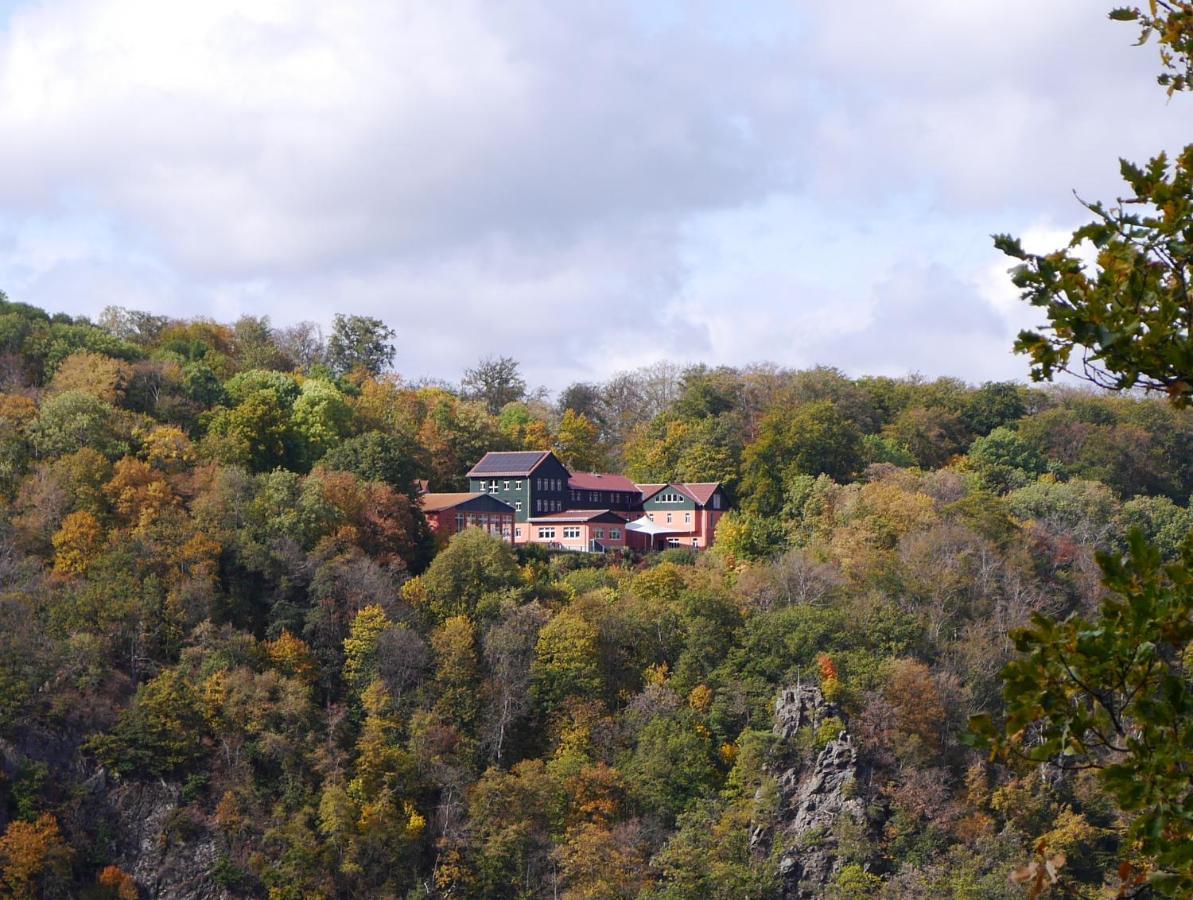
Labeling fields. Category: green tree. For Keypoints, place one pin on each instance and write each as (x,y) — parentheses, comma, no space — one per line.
(472,566)
(160,733)
(73,420)
(360,342)
(495,381)
(1113,694)
(396,459)
(814,439)
(566,660)
(321,418)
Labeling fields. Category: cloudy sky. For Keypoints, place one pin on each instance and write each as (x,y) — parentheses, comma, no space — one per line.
(588,186)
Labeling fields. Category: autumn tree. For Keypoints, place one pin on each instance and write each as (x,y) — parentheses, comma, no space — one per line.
(33,856)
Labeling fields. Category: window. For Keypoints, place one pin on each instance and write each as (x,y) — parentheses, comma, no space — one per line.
(538,505)
(716,501)
(695,542)
(650,516)
(572,531)
(615,534)
(518,484)
(459,521)
(517,532)
(546,532)
(518,505)
(668,518)
(687,517)
(507,485)
(599,533)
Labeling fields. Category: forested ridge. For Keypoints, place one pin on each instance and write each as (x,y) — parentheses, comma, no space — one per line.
(234,662)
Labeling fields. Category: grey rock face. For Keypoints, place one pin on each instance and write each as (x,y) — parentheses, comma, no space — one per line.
(816,791)
(168,853)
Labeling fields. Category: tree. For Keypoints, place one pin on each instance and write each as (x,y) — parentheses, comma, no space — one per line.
(566,660)
(1113,695)
(360,342)
(578,443)
(77,543)
(1171,23)
(321,417)
(396,459)
(73,420)
(814,439)
(494,381)
(472,565)
(32,853)
(360,647)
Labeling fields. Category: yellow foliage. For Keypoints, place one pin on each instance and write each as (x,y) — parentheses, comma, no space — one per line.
(292,655)
(700,699)
(167,448)
(92,373)
(77,543)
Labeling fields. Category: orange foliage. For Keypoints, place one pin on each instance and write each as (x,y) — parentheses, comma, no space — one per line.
(28,852)
(117,883)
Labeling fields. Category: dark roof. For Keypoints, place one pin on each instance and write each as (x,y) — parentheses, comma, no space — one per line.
(439,502)
(517,462)
(579,515)
(601,481)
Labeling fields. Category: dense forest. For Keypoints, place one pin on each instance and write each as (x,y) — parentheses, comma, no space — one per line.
(235,662)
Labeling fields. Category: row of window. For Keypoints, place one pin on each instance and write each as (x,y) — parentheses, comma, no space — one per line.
(549,484)
(496,485)
(670,497)
(687,517)
(574,532)
(541,505)
(615,498)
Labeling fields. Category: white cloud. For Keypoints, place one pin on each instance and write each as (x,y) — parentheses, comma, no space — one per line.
(588,185)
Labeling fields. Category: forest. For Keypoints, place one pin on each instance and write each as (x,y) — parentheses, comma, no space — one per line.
(235,663)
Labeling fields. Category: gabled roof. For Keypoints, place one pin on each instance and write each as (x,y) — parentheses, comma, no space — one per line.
(516,462)
(699,491)
(601,481)
(439,502)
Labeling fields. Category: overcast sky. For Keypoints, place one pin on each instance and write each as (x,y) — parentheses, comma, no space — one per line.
(587,186)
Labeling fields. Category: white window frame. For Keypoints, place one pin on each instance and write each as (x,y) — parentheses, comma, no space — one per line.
(571,532)
(687,518)
(546,532)
(518,505)
(615,534)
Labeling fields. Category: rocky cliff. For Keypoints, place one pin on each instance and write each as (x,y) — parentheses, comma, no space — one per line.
(821,793)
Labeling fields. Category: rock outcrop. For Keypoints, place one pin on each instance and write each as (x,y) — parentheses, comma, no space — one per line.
(819,789)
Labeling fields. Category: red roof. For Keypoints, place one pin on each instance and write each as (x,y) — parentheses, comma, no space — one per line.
(601,481)
(701,491)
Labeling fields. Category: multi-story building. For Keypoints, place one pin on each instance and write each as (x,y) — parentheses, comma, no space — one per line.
(596,511)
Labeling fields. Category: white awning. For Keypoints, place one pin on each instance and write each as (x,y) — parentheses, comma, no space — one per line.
(646,526)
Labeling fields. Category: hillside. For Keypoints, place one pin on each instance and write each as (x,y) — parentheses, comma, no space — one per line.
(235,662)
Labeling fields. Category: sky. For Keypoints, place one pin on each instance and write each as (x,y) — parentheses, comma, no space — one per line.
(586,186)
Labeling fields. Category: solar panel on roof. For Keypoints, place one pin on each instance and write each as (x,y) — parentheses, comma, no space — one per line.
(517,462)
